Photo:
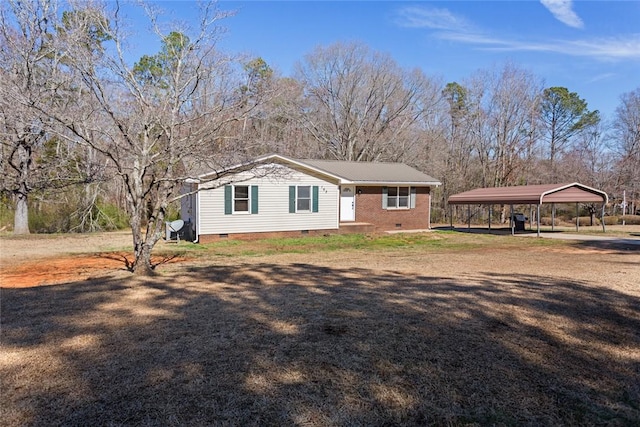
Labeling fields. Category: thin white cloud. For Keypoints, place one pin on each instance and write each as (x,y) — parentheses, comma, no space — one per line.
(432,18)
(601,49)
(602,77)
(563,11)
(450,27)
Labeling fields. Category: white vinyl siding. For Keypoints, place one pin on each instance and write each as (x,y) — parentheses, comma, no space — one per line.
(273,207)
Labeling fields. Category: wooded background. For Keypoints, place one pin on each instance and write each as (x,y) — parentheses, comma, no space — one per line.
(92,140)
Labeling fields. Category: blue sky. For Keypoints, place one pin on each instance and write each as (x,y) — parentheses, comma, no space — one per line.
(590,47)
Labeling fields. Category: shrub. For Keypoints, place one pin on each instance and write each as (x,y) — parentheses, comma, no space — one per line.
(585,221)
(110,217)
(630,219)
(6,214)
(50,218)
(69,217)
(547,220)
(611,220)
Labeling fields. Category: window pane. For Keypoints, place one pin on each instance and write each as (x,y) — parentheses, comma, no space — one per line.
(391,202)
(304,204)
(241,206)
(404,191)
(304,192)
(403,202)
(392,191)
(242,192)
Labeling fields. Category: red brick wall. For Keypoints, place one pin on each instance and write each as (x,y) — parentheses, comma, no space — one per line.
(369,209)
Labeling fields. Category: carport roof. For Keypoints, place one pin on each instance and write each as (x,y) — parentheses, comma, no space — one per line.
(530,194)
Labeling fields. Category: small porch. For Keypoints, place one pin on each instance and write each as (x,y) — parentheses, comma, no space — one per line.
(356,227)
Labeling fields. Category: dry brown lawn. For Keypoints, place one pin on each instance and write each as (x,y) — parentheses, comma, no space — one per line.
(497,333)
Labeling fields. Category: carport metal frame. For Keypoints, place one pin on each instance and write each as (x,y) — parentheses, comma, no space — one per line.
(532,195)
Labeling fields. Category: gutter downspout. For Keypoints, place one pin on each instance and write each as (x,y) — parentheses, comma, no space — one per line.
(428,216)
(197,196)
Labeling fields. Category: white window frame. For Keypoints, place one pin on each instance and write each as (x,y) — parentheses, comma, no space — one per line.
(234,199)
(397,198)
(310,198)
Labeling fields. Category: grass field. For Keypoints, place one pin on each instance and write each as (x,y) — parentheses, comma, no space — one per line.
(430,329)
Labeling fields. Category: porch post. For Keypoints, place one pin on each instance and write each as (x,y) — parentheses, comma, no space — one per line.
(553,215)
(538,219)
(469,217)
(604,230)
(577,217)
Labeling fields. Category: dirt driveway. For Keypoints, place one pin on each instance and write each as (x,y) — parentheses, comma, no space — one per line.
(35,260)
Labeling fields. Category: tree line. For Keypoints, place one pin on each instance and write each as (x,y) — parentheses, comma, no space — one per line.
(87,131)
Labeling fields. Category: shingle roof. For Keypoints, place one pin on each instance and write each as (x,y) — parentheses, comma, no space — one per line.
(372,172)
(531,194)
(363,173)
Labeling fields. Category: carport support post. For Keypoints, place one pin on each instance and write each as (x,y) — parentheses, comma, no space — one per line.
(469,216)
(604,230)
(512,222)
(538,219)
(451,216)
(490,217)
(577,217)
(553,215)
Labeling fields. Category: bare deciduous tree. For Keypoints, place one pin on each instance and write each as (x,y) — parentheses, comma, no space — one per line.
(27,58)
(626,135)
(359,105)
(158,121)
(508,105)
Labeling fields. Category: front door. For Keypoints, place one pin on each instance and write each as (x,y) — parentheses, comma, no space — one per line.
(348,203)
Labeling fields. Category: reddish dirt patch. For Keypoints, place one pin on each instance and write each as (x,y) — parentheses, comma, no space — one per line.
(59,270)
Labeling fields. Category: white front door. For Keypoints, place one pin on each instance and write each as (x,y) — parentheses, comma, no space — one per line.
(348,203)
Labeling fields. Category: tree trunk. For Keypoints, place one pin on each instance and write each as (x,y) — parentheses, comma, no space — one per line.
(21,216)
(142,263)
(23,165)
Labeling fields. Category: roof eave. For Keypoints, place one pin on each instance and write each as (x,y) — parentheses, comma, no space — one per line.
(266,159)
(399,183)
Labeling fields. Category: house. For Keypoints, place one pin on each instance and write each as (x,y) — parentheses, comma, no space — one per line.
(287,196)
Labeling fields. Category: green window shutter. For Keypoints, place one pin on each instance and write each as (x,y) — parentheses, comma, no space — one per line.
(384,197)
(315,199)
(228,199)
(292,199)
(412,199)
(254,199)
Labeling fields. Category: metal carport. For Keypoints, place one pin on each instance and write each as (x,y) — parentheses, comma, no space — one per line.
(533,195)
